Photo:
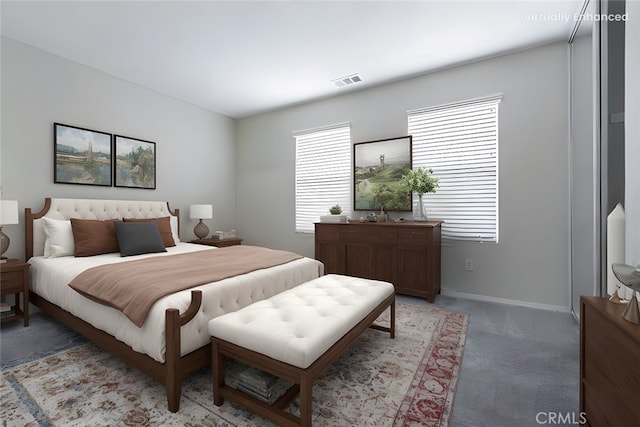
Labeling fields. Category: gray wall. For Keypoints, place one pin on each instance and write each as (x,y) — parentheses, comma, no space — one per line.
(530,263)
(195,148)
(198,158)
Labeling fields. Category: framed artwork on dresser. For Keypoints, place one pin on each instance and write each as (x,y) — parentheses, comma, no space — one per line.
(81,156)
(135,163)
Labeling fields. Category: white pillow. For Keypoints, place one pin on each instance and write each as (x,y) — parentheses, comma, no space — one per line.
(173,221)
(58,238)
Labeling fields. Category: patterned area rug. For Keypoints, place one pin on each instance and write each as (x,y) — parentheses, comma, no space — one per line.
(407,381)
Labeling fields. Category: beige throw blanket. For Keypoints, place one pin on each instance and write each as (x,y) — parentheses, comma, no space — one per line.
(134,286)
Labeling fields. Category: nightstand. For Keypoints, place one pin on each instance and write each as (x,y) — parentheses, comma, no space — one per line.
(221,243)
(14,279)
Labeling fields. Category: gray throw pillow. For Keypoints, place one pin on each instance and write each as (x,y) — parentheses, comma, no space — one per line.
(136,238)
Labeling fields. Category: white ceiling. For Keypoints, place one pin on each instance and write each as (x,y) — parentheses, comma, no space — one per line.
(240,58)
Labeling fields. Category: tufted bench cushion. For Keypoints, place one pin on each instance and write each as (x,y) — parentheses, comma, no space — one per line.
(296,335)
(297,326)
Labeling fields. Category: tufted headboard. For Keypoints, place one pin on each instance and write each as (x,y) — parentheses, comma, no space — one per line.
(90,209)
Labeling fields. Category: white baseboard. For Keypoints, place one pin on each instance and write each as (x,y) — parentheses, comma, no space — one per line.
(477,297)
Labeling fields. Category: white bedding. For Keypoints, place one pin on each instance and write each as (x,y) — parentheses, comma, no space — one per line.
(50,278)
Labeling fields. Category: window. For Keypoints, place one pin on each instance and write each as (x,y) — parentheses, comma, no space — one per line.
(460,143)
(323,173)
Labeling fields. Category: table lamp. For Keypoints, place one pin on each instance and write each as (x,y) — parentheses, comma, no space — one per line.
(201,212)
(8,216)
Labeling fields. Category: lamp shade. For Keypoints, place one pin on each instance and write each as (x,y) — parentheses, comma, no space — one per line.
(201,211)
(8,212)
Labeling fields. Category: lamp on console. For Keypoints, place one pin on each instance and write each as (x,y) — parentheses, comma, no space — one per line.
(201,212)
(8,216)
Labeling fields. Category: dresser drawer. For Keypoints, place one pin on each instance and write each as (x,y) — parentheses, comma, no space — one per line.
(328,232)
(414,235)
(370,234)
(12,281)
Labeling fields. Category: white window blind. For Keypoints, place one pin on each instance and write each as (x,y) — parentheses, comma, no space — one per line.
(323,173)
(460,143)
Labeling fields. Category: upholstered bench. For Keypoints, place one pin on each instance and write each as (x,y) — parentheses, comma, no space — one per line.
(296,335)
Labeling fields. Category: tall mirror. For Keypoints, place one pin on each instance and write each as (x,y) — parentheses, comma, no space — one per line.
(584,157)
(612,137)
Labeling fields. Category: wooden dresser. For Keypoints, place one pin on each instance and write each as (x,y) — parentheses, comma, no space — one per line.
(405,254)
(609,364)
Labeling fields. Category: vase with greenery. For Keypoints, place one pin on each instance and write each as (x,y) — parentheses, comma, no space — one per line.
(335,210)
(420,181)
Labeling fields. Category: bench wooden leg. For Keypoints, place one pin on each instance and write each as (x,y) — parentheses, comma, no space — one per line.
(393,319)
(217,372)
(306,386)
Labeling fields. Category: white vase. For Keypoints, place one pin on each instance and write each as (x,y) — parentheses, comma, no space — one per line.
(420,214)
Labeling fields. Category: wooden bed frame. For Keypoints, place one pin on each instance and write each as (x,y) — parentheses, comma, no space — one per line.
(175,368)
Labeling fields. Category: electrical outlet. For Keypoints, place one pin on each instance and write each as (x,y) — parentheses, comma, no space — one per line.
(468,264)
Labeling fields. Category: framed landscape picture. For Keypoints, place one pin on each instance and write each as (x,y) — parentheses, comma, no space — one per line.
(377,169)
(135,163)
(81,156)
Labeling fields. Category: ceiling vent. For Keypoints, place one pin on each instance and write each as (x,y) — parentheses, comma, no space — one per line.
(347,80)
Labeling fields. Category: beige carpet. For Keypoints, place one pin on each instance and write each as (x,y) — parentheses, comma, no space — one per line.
(407,381)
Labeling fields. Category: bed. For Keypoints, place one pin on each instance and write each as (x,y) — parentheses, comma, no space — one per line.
(174,340)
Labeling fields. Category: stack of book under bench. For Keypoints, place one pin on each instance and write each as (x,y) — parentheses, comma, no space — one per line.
(261,385)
